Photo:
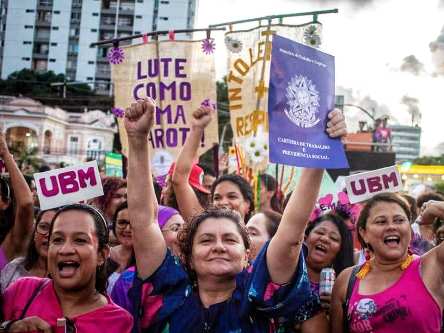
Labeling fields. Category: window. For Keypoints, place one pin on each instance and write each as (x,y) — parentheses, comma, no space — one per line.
(126,21)
(27,42)
(95,14)
(138,16)
(57,12)
(164,2)
(89,78)
(137,32)
(73,32)
(55,28)
(29,26)
(52,60)
(44,16)
(30,10)
(75,16)
(141,1)
(42,33)
(163,18)
(73,48)
(93,30)
(53,44)
(91,62)
(26,58)
(45,2)
(70,64)
(94,148)
(73,145)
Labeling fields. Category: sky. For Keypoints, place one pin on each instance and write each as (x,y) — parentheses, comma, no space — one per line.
(387,52)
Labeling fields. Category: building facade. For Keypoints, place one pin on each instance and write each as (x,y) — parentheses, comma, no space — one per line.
(406,142)
(56,34)
(56,135)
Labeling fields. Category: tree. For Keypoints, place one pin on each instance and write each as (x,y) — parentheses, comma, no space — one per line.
(37,85)
(429,160)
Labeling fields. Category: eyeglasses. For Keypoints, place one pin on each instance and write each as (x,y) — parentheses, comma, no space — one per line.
(43,228)
(122,224)
(173,228)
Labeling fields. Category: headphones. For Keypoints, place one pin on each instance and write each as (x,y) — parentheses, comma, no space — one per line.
(86,208)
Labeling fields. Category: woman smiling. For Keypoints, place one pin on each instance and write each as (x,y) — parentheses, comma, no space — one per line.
(78,247)
(212,290)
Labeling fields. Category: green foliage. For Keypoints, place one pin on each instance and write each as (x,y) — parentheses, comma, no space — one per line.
(439,187)
(31,83)
(26,158)
(429,160)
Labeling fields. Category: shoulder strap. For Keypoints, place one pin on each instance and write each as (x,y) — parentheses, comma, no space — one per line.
(33,296)
(350,285)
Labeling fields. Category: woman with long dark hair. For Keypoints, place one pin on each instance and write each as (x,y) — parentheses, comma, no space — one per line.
(35,261)
(78,248)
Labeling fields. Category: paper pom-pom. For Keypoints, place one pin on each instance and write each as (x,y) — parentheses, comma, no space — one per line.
(118,112)
(208,46)
(233,45)
(116,55)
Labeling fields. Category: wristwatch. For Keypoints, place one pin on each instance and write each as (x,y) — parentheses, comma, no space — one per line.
(4,327)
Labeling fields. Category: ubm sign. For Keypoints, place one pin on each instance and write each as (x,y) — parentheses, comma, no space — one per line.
(64,186)
(363,186)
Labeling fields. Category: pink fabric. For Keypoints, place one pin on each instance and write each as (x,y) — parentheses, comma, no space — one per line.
(406,306)
(109,318)
(270,290)
(151,304)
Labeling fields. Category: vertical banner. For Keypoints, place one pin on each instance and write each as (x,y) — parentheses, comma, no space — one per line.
(302,92)
(249,55)
(179,76)
(113,165)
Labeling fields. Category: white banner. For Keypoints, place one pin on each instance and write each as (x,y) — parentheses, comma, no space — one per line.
(68,185)
(363,186)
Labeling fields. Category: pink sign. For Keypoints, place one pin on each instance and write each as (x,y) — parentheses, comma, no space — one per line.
(363,186)
(64,186)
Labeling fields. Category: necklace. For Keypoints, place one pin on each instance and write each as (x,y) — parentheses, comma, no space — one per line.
(366,268)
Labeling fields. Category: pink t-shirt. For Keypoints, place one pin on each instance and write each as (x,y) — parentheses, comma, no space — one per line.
(406,306)
(109,318)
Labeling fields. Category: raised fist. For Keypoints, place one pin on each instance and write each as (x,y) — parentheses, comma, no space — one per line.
(139,118)
(202,117)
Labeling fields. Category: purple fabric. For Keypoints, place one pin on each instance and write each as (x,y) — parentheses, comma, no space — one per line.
(164,214)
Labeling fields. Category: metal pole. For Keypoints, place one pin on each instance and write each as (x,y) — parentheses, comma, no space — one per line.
(117,19)
(153,33)
(271,17)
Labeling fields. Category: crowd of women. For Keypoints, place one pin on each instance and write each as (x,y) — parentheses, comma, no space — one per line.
(197,256)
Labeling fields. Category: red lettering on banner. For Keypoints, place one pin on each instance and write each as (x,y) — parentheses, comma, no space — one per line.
(68,182)
(88,175)
(386,179)
(49,192)
(374,184)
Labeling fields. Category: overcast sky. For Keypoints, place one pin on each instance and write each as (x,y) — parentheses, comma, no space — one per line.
(388,55)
